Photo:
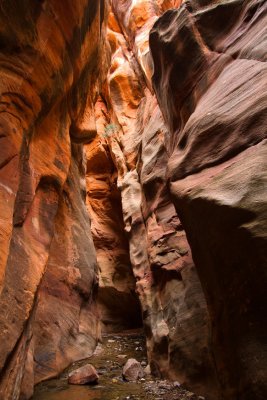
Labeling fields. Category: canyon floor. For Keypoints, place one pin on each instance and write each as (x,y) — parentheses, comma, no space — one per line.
(108,359)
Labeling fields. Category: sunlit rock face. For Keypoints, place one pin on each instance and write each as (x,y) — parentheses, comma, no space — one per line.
(49,60)
(133,144)
(117,300)
(210,78)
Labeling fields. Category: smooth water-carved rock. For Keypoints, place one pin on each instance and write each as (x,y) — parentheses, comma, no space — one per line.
(49,64)
(174,310)
(117,300)
(175,150)
(210,79)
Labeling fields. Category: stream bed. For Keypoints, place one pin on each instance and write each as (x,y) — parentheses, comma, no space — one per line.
(108,359)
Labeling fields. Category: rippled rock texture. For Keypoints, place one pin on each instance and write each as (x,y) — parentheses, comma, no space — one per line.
(210,78)
(134,136)
(49,62)
(117,300)
(185,125)
(150,115)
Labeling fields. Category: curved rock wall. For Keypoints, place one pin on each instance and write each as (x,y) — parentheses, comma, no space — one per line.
(118,303)
(174,309)
(210,77)
(49,64)
(167,146)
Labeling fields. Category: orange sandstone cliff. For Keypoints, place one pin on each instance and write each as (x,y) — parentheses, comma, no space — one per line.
(133,188)
(49,63)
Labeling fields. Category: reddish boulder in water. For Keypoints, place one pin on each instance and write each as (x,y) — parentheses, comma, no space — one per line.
(132,370)
(84,375)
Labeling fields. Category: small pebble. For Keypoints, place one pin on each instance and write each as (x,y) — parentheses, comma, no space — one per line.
(121,355)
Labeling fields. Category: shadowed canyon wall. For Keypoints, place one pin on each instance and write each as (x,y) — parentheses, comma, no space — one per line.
(117,299)
(210,78)
(133,177)
(169,151)
(131,126)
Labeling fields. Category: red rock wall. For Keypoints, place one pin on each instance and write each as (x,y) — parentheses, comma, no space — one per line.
(117,300)
(169,156)
(48,65)
(175,146)
(210,78)
(132,127)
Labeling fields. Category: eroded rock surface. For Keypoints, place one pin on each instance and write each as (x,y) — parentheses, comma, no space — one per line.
(83,375)
(132,127)
(48,66)
(132,370)
(117,300)
(210,77)
(167,145)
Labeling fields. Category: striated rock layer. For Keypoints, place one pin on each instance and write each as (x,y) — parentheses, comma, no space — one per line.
(174,309)
(49,63)
(118,303)
(174,155)
(210,78)
(155,126)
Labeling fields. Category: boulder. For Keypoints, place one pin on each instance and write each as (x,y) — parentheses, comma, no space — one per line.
(132,370)
(84,375)
(147,370)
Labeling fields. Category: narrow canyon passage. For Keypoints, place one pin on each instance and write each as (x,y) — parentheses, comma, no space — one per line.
(133,198)
(109,359)
(117,300)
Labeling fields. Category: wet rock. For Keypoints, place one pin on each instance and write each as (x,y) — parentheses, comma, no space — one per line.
(143,363)
(83,375)
(98,349)
(147,370)
(132,370)
(121,355)
(165,385)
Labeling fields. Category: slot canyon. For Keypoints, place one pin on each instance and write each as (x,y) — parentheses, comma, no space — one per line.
(133,195)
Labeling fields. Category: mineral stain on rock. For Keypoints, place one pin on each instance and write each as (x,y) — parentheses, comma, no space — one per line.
(133,195)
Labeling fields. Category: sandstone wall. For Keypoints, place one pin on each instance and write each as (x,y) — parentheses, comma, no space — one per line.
(49,63)
(167,146)
(188,166)
(174,309)
(210,78)
(117,300)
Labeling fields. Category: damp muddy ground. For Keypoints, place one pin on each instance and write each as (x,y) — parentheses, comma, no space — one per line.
(109,358)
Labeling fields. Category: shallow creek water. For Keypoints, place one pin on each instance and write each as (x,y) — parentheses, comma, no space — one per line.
(108,359)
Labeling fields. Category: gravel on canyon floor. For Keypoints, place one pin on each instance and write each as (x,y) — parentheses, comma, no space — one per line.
(109,358)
